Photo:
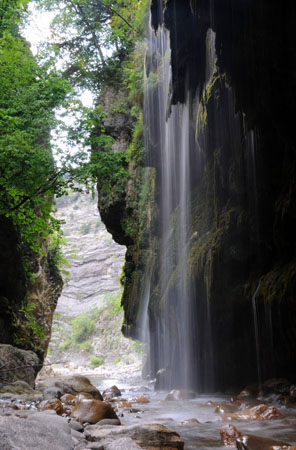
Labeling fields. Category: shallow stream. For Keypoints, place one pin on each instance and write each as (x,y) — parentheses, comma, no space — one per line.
(206,434)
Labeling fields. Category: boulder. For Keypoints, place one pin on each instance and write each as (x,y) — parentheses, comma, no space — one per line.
(264,412)
(111,392)
(52,392)
(92,411)
(76,384)
(12,358)
(148,436)
(260,412)
(180,394)
(40,431)
(17,387)
(140,399)
(229,434)
(69,399)
(123,443)
(276,386)
(54,404)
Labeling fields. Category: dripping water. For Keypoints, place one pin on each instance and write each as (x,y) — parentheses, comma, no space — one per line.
(256,328)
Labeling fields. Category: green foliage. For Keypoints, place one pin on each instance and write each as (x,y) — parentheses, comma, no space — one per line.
(82,328)
(96,361)
(28,95)
(32,324)
(55,256)
(85,346)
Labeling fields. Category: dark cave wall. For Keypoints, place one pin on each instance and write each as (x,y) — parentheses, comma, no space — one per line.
(244,196)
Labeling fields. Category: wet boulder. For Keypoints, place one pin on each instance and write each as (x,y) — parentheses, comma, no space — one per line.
(180,394)
(147,436)
(69,399)
(276,386)
(76,384)
(92,411)
(111,392)
(54,404)
(140,399)
(229,435)
(259,412)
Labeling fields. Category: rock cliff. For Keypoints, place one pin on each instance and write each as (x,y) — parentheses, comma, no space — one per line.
(29,292)
(234,62)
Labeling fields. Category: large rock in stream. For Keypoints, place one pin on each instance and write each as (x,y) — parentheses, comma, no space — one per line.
(74,384)
(146,436)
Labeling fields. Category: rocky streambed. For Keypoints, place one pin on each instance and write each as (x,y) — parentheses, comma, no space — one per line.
(109,413)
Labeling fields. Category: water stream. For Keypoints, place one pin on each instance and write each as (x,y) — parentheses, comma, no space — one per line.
(204,435)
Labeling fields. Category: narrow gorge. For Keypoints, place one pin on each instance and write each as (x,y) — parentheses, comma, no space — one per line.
(189,151)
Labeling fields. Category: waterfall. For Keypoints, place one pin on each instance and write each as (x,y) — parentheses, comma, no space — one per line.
(169,140)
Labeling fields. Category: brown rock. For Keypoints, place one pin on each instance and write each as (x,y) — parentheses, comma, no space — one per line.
(264,412)
(54,404)
(84,396)
(261,443)
(69,399)
(276,386)
(229,434)
(124,404)
(222,409)
(191,422)
(140,399)
(113,391)
(260,412)
(249,391)
(92,411)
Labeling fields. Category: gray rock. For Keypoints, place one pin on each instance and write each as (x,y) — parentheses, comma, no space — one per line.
(76,384)
(105,422)
(11,358)
(75,434)
(34,432)
(152,436)
(52,392)
(124,443)
(17,387)
(76,426)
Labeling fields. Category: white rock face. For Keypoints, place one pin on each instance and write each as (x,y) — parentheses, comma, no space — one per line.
(96,260)
(92,289)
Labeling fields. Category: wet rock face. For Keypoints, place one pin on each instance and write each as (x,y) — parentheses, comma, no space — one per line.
(242,215)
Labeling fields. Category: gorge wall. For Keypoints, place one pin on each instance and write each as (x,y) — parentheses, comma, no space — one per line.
(30,286)
(232,68)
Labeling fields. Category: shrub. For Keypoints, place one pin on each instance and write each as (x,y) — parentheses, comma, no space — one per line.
(82,328)
(96,361)
(85,346)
